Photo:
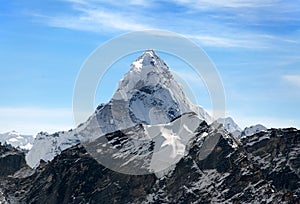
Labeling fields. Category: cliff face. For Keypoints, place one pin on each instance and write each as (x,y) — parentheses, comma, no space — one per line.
(11,160)
(262,168)
(277,151)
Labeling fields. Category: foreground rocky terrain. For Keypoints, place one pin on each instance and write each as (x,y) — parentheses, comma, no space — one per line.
(262,168)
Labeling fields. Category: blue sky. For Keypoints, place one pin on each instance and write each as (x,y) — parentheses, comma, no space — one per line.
(254,45)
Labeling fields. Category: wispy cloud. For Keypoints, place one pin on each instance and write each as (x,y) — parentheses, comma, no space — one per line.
(232,24)
(246,8)
(94,20)
(245,13)
(219,41)
(292,79)
(227,3)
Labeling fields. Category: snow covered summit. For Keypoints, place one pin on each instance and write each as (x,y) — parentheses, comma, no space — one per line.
(230,125)
(152,93)
(148,58)
(23,142)
(148,94)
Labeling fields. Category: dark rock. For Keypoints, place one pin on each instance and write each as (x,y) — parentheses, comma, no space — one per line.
(11,160)
(264,168)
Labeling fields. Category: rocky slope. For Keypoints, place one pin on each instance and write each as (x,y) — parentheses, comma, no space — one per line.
(11,160)
(277,151)
(264,168)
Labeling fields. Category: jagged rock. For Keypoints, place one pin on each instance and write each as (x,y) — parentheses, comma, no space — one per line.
(277,151)
(231,173)
(11,160)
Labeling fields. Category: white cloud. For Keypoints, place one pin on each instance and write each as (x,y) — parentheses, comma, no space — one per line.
(256,12)
(205,4)
(218,41)
(33,120)
(99,21)
(292,79)
(97,16)
(96,21)
(224,28)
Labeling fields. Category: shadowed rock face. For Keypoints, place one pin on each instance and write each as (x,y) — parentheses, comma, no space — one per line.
(263,169)
(11,160)
(277,152)
(74,177)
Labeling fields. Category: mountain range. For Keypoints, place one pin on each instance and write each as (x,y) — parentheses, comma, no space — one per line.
(25,142)
(17,140)
(150,144)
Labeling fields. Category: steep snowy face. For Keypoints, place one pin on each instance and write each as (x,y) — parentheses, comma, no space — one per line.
(152,94)
(47,146)
(229,125)
(17,140)
(147,70)
(148,94)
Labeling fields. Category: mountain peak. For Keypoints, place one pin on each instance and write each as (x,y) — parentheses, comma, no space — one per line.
(148,59)
(150,52)
(152,94)
(148,94)
(230,125)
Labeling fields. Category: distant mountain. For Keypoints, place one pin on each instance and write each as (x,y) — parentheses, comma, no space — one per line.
(47,146)
(23,142)
(231,126)
(252,130)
